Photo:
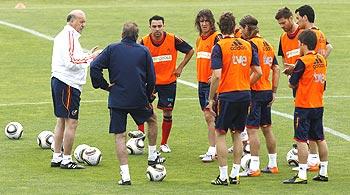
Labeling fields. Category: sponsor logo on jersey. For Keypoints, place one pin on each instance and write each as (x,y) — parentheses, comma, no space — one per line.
(162,58)
(292,53)
(203,54)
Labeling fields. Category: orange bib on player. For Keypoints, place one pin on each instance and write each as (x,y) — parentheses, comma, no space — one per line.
(266,56)
(203,53)
(164,58)
(290,48)
(321,40)
(311,84)
(236,61)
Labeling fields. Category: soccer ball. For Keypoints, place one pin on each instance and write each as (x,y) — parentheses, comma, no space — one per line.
(135,146)
(292,156)
(156,172)
(45,139)
(14,130)
(92,156)
(53,146)
(245,162)
(78,152)
(246,149)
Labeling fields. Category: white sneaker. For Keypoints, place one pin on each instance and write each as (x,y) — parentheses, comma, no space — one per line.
(165,148)
(208,158)
(244,173)
(230,150)
(295,169)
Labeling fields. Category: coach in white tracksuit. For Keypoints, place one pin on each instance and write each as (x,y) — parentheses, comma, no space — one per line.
(69,68)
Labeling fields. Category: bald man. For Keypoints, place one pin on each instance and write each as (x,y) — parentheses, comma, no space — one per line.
(69,68)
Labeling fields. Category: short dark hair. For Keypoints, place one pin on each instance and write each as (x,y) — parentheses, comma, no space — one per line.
(308,37)
(205,13)
(227,23)
(70,17)
(252,24)
(283,13)
(308,11)
(130,30)
(156,17)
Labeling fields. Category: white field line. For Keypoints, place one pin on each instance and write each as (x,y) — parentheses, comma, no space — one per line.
(190,84)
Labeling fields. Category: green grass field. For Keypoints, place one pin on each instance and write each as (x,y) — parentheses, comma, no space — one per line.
(25,97)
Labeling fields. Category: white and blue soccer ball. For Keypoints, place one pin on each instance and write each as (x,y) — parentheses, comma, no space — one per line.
(245,162)
(14,130)
(45,139)
(92,156)
(156,172)
(135,146)
(292,157)
(78,152)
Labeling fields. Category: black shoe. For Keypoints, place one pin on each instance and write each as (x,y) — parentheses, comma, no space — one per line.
(158,160)
(71,165)
(218,181)
(234,180)
(55,164)
(124,183)
(295,180)
(320,178)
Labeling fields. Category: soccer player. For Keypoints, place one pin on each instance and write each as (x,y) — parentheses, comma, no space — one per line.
(69,68)
(309,77)
(263,95)
(163,47)
(305,16)
(132,80)
(235,67)
(208,36)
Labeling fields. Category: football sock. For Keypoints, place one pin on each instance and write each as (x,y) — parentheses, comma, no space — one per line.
(272,160)
(56,157)
(313,159)
(66,159)
(244,135)
(235,170)
(254,163)
(323,168)
(166,127)
(125,172)
(302,171)
(223,173)
(211,150)
(152,152)
(141,127)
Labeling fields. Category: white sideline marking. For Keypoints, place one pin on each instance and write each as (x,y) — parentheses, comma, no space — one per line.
(193,85)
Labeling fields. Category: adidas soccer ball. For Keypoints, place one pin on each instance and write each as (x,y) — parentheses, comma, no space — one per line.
(92,156)
(14,130)
(245,162)
(78,152)
(45,139)
(156,172)
(292,156)
(135,146)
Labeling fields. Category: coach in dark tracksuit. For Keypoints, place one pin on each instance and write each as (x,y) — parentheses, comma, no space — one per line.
(132,80)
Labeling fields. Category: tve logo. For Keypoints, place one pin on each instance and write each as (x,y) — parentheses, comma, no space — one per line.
(242,60)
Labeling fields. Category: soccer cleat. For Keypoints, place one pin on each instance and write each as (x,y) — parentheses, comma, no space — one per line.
(71,165)
(250,173)
(165,148)
(273,170)
(295,180)
(234,180)
(55,164)
(313,168)
(230,150)
(123,183)
(218,181)
(158,160)
(208,158)
(137,134)
(320,178)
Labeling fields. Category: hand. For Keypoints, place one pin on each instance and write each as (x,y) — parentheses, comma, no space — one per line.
(210,107)
(273,99)
(209,80)
(178,72)
(289,68)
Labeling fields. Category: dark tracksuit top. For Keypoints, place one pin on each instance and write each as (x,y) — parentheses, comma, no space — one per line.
(130,68)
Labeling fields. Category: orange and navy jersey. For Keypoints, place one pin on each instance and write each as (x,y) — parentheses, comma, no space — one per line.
(234,56)
(164,55)
(267,60)
(204,45)
(321,40)
(309,76)
(289,47)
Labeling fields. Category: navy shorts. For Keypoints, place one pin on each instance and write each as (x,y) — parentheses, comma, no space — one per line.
(118,118)
(66,99)
(259,113)
(231,115)
(308,124)
(203,94)
(166,96)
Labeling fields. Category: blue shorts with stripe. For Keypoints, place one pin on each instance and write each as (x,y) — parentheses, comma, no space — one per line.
(66,99)
(203,94)
(308,124)
(259,113)
(166,96)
